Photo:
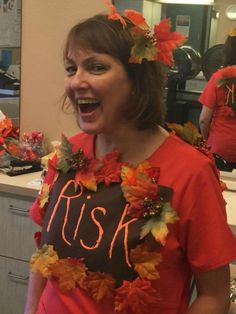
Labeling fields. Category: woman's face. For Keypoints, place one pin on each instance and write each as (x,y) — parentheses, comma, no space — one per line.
(99,88)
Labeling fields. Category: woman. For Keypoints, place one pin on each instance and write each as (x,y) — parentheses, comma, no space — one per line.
(218,116)
(125,224)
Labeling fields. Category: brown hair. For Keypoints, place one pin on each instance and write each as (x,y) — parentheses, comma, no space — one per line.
(230,51)
(102,35)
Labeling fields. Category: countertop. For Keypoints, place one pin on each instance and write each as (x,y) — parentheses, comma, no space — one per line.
(25,184)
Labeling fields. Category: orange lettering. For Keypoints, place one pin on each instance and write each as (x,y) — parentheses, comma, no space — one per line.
(120,227)
(100,229)
(230,93)
(59,200)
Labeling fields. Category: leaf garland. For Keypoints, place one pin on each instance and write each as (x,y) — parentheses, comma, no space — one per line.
(147,200)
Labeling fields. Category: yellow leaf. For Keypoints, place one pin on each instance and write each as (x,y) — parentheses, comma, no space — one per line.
(44,195)
(145,262)
(101,285)
(43,260)
(157,226)
(69,272)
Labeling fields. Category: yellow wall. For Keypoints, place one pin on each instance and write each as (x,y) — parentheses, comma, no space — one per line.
(44,28)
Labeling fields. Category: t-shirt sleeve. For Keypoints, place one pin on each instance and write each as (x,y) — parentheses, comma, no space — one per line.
(204,233)
(209,95)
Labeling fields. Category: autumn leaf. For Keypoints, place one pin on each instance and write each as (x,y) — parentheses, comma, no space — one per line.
(43,260)
(68,159)
(138,185)
(136,297)
(187,132)
(145,261)
(87,179)
(166,41)
(110,170)
(137,19)
(157,226)
(142,48)
(44,195)
(113,14)
(101,285)
(37,238)
(70,272)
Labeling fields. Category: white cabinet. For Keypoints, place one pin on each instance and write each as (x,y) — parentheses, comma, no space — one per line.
(16,247)
(13,285)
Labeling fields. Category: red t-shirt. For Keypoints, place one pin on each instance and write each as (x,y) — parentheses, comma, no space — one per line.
(199,241)
(222,133)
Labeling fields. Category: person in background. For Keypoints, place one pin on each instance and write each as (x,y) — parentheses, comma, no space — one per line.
(218,115)
(130,213)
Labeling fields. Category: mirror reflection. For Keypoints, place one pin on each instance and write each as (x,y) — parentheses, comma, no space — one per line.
(10,56)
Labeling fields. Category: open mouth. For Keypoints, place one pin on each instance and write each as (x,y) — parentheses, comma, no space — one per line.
(87,106)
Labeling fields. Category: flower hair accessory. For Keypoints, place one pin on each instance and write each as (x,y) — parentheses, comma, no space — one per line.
(232,32)
(156,46)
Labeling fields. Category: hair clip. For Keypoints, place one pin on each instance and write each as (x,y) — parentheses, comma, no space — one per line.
(232,32)
(156,46)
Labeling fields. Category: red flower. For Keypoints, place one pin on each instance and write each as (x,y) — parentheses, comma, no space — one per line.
(136,297)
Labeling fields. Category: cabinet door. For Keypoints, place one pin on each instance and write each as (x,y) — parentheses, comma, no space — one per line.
(13,285)
(17,229)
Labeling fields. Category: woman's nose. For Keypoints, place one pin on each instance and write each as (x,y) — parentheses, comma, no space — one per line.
(79,80)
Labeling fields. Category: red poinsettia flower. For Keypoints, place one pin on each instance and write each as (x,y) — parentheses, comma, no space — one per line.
(136,297)
(166,41)
(110,171)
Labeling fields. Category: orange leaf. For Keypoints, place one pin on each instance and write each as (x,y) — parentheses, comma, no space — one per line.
(43,260)
(113,14)
(145,262)
(69,272)
(136,18)
(136,297)
(101,285)
(44,195)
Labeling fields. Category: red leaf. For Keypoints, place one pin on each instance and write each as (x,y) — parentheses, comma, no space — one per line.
(166,41)
(136,297)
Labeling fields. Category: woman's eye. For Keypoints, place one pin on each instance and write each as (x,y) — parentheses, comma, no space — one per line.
(97,68)
(70,70)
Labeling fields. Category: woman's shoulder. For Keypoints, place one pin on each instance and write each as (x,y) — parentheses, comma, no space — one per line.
(185,154)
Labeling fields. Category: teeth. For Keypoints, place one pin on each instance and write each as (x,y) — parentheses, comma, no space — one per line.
(86,101)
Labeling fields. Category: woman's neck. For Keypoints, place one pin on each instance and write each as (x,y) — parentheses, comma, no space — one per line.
(134,145)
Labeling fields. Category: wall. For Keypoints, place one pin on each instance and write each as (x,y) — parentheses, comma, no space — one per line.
(44,28)
(224,24)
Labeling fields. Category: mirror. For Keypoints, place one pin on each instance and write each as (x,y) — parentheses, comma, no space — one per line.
(10,56)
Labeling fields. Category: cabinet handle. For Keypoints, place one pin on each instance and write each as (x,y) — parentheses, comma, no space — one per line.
(17,277)
(19,210)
